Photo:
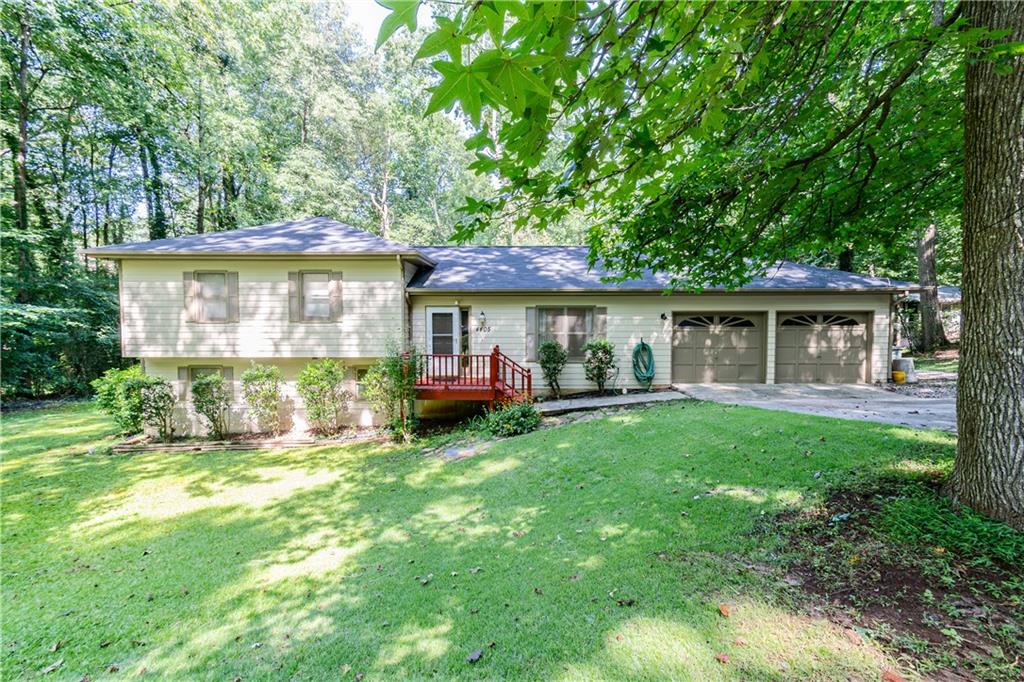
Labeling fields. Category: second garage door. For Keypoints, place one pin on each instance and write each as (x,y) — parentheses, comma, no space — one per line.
(828,348)
(708,348)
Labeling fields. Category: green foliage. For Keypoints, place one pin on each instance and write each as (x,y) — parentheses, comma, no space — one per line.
(56,348)
(211,398)
(322,387)
(261,389)
(158,402)
(552,357)
(703,141)
(390,388)
(119,394)
(919,516)
(511,419)
(599,362)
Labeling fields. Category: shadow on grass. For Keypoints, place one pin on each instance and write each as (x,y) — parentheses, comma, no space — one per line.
(592,550)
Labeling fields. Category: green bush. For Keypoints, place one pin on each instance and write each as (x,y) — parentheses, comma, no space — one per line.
(552,357)
(158,406)
(261,388)
(211,398)
(322,387)
(391,383)
(599,362)
(119,394)
(512,419)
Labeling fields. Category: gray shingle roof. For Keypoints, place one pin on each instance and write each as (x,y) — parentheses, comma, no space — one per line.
(553,268)
(305,236)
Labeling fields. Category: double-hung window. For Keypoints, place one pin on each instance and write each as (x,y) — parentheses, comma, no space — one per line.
(572,327)
(315,290)
(211,296)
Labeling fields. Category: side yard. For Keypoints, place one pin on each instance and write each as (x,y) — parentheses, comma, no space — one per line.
(649,544)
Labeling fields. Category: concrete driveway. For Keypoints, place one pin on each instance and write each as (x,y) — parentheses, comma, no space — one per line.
(846,401)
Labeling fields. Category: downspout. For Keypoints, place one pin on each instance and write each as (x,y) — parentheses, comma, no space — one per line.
(407,316)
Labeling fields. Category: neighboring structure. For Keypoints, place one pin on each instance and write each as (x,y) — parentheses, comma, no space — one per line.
(289,292)
(908,330)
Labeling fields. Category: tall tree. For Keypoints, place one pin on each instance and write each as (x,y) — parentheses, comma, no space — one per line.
(932,333)
(989,471)
(707,140)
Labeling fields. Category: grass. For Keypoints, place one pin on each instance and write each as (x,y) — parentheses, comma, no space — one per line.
(596,550)
(937,364)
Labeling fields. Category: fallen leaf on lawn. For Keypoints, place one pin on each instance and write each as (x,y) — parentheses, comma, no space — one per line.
(104,644)
(475,656)
(56,645)
(625,602)
(53,666)
(724,610)
(113,668)
(618,638)
(722,658)
(475,569)
(474,610)
(345,669)
(359,676)
(574,577)
(84,678)
(741,641)
(142,670)
(891,676)
(537,590)
(518,533)
(492,644)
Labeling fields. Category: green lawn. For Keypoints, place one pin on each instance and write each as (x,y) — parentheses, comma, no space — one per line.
(933,364)
(588,551)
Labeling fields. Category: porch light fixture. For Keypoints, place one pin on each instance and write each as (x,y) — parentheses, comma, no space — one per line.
(482,316)
(664,316)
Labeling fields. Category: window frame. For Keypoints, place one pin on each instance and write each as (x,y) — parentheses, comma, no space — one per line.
(302,297)
(197,297)
(542,334)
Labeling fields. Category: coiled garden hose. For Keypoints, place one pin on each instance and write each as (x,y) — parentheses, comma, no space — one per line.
(643,364)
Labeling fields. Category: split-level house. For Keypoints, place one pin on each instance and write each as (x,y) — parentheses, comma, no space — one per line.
(290,292)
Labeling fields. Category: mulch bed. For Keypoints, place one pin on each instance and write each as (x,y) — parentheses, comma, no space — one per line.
(957,619)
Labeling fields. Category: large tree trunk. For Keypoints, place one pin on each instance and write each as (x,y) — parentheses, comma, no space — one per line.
(158,220)
(26,266)
(846,260)
(932,333)
(989,470)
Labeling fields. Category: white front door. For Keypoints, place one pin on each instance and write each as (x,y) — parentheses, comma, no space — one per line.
(444,335)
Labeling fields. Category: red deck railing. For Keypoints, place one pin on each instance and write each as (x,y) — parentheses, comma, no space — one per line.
(472,376)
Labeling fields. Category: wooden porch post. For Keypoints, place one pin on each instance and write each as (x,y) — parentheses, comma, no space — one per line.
(405,379)
(494,375)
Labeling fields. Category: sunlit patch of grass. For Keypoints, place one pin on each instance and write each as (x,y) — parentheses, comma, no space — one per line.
(594,550)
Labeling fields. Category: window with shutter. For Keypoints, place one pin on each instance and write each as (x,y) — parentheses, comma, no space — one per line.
(572,327)
(210,296)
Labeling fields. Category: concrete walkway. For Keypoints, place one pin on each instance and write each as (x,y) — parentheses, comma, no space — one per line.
(846,401)
(553,407)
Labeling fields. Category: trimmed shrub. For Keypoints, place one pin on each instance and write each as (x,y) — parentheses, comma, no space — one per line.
(211,398)
(552,357)
(322,387)
(261,388)
(158,406)
(599,362)
(119,394)
(390,383)
(512,419)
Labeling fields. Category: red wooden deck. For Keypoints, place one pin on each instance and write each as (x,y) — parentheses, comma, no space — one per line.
(493,377)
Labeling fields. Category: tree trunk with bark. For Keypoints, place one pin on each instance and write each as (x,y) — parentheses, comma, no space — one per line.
(932,333)
(158,220)
(846,260)
(989,470)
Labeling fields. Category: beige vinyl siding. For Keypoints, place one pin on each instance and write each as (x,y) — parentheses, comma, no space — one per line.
(154,323)
(631,317)
(292,410)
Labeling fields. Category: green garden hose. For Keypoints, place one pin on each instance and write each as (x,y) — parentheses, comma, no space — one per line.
(643,363)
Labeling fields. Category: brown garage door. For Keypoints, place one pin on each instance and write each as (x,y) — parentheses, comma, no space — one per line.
(826,348)
(709,348)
